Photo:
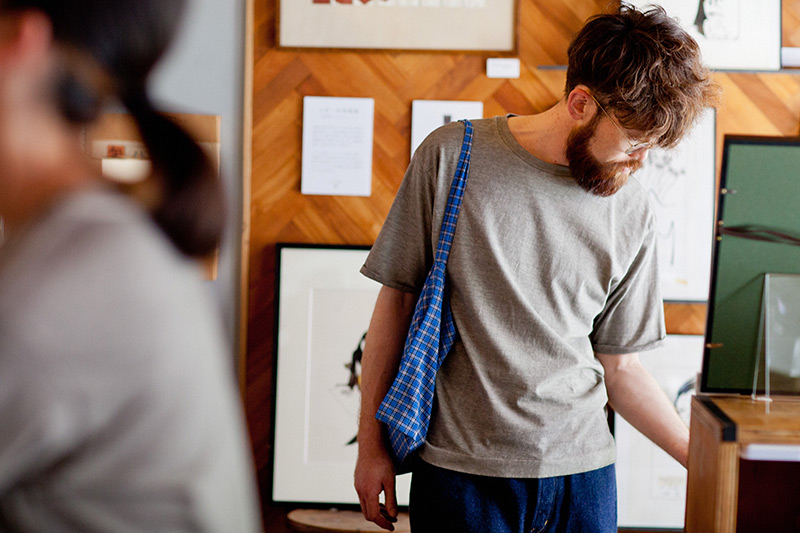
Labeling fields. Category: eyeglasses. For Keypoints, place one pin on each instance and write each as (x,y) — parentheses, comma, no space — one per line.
(634,148)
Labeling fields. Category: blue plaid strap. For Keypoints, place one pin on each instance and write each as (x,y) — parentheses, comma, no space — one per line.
(406,409)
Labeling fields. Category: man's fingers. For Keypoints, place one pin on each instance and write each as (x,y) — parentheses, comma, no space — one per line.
(375,512)
(387,515)
(384,523)
(378,513)
(391,499)
(363,503)
(370,508)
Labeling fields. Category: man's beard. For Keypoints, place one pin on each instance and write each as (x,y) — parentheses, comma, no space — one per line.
(602,179)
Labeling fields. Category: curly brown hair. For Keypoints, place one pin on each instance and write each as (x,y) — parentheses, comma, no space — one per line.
(646,68)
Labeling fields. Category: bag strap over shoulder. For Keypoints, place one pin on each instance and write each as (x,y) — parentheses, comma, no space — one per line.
(406,409)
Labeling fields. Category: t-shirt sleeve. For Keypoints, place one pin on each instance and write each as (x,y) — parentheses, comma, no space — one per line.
(404,250)
(633,317)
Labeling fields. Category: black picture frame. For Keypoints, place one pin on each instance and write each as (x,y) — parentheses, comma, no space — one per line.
(758,194)
(323,306)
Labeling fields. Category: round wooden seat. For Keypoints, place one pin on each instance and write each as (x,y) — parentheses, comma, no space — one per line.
(333,521)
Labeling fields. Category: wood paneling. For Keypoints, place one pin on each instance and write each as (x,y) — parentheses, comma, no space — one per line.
(276,211)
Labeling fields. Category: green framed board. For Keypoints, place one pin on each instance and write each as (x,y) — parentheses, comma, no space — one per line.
(757,232)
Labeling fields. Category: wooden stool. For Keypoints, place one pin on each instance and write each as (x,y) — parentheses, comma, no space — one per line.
(333,521)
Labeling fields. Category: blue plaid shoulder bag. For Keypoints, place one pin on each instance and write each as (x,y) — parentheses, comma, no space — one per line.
(406,409)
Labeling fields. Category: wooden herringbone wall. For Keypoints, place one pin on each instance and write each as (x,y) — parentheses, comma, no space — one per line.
(277,212)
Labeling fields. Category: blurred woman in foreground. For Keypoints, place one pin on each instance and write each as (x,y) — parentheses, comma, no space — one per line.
(118,406)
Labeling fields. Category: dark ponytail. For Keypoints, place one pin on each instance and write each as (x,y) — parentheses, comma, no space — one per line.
(191,210)
(109,49)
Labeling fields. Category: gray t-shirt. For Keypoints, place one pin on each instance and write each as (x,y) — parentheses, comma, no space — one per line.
(118,405)
(541,275)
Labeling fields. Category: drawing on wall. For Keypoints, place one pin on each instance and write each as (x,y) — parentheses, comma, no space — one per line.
(718,20)
(681,185)
(324,306)
(732,34)
(337,317)
(354,368)
(651,485)
(427,115)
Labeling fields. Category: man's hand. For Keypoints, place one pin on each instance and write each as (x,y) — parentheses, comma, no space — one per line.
(375,474)
(383,348)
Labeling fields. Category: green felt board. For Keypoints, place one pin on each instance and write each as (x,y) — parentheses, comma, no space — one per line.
(762,177)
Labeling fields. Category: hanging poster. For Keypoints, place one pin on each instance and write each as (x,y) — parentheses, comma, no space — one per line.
(732,34)
(681,185)
(323,309)
(464,25)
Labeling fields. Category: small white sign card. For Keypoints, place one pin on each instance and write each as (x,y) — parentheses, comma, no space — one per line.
(337,146)
(427,115)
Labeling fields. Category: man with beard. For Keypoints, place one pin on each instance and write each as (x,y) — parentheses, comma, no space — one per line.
(553,287)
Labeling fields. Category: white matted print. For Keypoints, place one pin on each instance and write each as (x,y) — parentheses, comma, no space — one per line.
(466,25)
(427,115)
(324,306)
(732,34)
(681,185)
(651,485)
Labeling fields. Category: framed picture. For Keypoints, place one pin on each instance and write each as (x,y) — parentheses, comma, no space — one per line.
(323,306)
(681,185)
(758,236)
(421,25)
(732,34)
(651,485)
(427,115)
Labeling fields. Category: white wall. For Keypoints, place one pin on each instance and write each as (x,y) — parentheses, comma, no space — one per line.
(203,73)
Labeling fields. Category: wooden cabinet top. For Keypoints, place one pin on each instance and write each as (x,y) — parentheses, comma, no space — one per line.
(744,420)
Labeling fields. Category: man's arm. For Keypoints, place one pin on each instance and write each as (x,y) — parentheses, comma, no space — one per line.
(379,363)
(637,397)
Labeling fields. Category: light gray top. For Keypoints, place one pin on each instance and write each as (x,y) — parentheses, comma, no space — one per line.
(541,275)
(118,406)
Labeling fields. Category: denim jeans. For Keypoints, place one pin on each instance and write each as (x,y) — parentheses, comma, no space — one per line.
(444,501)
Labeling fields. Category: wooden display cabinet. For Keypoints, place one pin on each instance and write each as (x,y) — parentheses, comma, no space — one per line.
(744,465)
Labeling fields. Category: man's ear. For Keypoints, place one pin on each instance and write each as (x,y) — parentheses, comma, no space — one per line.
(24,35)
(580,105)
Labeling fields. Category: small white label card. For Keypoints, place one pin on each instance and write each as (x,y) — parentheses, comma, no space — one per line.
(502,67)
(337,146)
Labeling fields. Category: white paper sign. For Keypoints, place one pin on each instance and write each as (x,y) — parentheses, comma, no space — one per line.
(337,146)
(427,115)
